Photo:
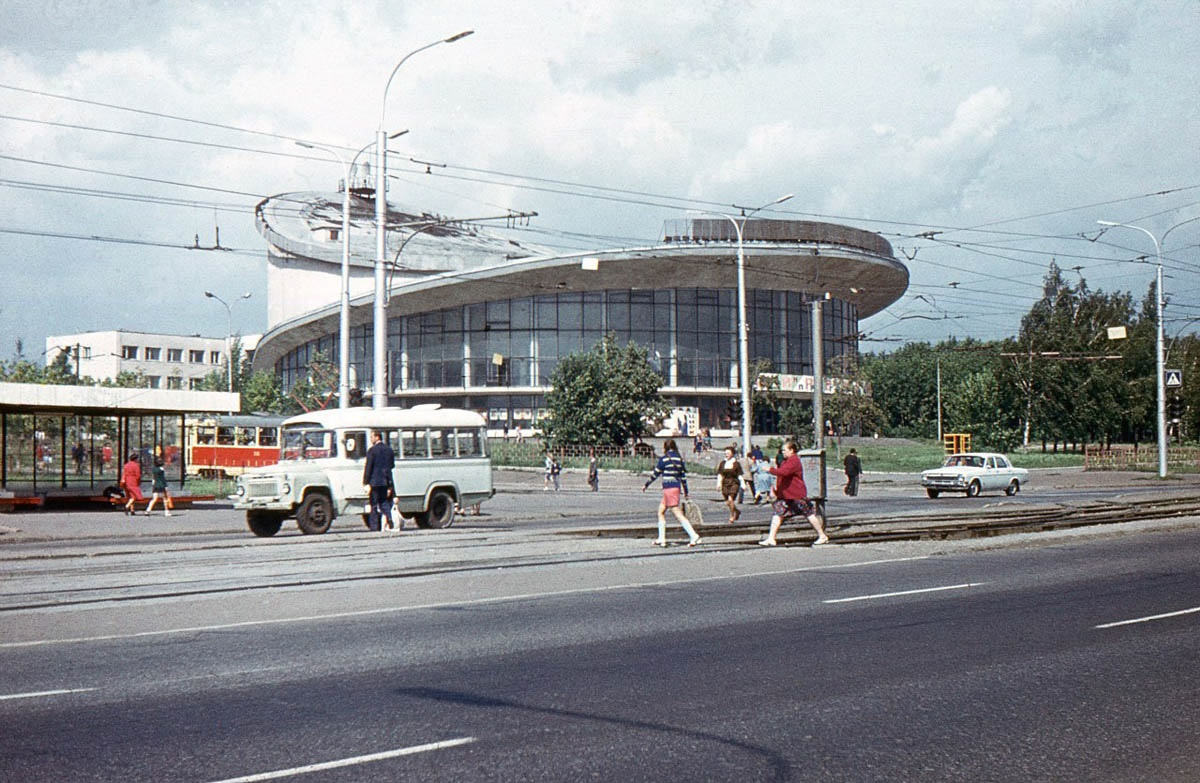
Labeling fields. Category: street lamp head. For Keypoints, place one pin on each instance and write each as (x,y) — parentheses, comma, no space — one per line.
(459,36)
(210,294)
(782,199)
(305,145)
(246,295)
(397,134)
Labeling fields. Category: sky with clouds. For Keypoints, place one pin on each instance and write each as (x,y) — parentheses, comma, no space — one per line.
(984,140)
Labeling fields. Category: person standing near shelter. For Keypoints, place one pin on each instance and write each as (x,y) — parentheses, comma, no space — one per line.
(158,488)
(853,467)
(131,479)
(377,477)
(730,471)
(674,480)
(792,497)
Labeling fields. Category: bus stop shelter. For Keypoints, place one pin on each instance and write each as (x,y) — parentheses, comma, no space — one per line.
(72,440)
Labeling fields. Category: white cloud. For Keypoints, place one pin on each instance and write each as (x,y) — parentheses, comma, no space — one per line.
(930,113)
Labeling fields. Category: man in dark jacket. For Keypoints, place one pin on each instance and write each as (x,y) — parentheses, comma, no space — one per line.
(853,470)
(377,475)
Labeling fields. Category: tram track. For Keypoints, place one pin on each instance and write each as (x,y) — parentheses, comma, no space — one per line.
(132,576)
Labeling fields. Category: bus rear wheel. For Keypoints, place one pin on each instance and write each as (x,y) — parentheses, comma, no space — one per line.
(263,523)
(440,513)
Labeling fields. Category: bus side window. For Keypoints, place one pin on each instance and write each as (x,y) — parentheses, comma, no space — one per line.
(441,443)
(356,444)
(468,443)
(413,444)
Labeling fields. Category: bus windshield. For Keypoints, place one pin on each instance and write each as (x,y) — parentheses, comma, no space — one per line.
(306,443)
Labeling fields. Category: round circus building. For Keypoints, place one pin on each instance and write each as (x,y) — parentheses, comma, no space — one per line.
(478,320)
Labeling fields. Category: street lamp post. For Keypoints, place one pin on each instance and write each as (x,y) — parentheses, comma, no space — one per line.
(229,333)
(1158,350)
(379,395)
(344,321)
(743,328)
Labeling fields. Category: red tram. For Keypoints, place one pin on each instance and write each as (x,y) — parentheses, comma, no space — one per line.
(225,446)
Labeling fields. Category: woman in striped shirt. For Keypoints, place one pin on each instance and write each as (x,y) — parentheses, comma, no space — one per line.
(674,480)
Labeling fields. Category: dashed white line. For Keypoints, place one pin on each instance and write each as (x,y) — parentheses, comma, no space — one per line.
(349,762)
(37,694)
(1149,619)
(902,592)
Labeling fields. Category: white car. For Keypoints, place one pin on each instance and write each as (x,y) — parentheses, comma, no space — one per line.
(972,473)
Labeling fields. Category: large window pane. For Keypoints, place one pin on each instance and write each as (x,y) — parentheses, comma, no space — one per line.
(547,312)
(570,312)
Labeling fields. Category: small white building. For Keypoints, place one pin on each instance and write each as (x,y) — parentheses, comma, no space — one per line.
(169,361)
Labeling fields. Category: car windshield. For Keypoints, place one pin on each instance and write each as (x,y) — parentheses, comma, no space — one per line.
(306,443)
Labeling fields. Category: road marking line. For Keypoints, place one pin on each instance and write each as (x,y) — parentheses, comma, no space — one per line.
(449,604)
(1151,618)
(902,592)
(349,762)
(36,694)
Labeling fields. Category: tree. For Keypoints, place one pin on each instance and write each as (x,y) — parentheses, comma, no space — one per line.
(261,394)
(603,396)
(852,407)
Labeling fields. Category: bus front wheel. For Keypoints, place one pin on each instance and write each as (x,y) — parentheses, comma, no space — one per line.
(263,523)
(315,515)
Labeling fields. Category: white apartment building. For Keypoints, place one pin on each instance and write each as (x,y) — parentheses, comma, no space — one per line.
(169,361)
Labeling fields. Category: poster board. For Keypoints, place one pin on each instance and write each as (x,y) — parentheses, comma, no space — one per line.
(813,462)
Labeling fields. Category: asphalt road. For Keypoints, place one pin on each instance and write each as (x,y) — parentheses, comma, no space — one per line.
(977,660)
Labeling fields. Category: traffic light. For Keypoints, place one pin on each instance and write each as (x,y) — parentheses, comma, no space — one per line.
(1175,408)
(734,410)
(356,397)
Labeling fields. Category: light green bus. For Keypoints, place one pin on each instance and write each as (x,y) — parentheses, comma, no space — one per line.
(442,465)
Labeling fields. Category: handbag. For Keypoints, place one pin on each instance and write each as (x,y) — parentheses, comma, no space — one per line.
(691,510)
(395,522)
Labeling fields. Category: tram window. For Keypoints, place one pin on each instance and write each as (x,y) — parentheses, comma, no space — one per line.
(225,436)
(268,436)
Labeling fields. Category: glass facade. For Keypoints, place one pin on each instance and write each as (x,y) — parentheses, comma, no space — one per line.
(495,356)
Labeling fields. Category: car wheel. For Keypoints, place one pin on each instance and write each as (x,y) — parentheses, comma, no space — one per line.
(1013,488)
(263,524)
(440,513)
(933,493)
(315,515)
(973,489)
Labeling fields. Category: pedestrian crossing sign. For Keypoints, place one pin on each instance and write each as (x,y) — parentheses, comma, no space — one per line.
(1174,378)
